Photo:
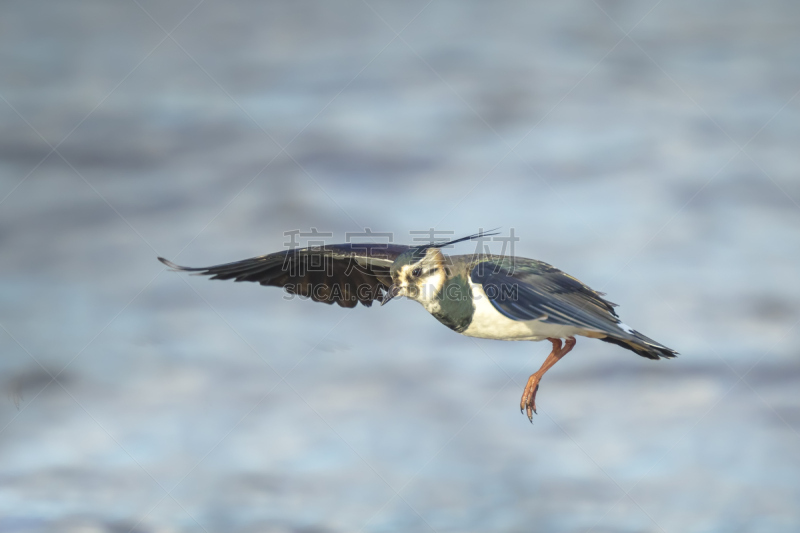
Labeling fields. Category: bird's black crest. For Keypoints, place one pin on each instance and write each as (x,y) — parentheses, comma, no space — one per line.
(487,233)
(419,252)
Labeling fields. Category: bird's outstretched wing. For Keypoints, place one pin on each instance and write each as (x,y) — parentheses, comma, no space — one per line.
(525,289)
(342,273)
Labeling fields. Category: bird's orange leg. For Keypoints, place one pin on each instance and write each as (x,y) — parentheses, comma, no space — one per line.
(528,402)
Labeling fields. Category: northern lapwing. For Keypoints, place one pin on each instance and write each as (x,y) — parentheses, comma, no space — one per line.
(479,295)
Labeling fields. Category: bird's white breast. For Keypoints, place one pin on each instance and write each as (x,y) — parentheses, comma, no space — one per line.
(489,323)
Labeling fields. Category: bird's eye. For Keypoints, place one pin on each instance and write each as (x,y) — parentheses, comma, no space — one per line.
(416,272)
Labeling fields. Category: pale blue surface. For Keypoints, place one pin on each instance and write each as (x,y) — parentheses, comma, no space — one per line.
(627,174)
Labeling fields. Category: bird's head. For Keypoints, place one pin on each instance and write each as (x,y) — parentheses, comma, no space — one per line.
(421,272)
(418,274)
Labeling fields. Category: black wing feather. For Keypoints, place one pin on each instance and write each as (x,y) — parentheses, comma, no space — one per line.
(543,295)
(532,290)
(345,274)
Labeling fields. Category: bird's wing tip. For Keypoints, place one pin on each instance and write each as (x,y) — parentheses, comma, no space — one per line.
(172,265)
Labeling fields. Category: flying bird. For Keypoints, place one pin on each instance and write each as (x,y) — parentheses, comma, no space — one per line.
(479,295)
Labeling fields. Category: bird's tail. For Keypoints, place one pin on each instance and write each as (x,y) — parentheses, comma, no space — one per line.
(642,345)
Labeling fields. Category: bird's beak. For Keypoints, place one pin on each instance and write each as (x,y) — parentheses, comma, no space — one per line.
(391,292)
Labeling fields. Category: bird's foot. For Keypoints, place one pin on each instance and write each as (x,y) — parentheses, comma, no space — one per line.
(528,402)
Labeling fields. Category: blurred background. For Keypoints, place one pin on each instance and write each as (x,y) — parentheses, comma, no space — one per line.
(648,148)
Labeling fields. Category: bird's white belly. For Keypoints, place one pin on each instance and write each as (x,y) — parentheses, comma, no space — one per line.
(489,323)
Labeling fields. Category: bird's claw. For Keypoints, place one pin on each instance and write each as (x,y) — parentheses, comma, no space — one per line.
(528,403)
